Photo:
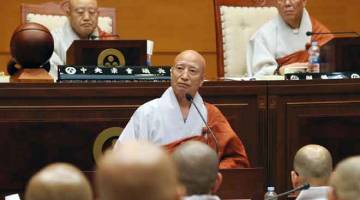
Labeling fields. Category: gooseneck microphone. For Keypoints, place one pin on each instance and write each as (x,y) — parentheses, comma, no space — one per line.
(96,37)
(191,100)
(302,187)
(309,33)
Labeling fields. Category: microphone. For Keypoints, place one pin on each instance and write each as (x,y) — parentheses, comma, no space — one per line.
(191,100)
(95,37)
(309,33)
(302,187)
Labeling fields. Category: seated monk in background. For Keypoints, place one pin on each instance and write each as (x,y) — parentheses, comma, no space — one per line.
(281,42)
(171,119)
(312,165)
(82,24)
(197,166)
(59,181)
(345,180)
(137,170)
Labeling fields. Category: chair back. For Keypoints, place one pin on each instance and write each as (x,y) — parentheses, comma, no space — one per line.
(236,21)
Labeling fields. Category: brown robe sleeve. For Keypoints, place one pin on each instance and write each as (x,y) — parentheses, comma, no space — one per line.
(231,151)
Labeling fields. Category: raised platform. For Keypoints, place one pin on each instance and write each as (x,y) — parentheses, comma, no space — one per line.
(74,122)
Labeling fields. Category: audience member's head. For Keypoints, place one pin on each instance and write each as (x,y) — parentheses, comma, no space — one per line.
(137,171)
(188,73)
(291,11)
(83,16)
(345,181)
(197,166)
(59,181)
(313,165)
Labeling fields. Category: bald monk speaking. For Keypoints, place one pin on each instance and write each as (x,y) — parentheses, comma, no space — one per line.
(137,171)
(172,119)
(59,181)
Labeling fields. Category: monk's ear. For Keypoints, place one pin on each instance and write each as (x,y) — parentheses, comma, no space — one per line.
(304,3)
(203,76)
(65,6)
(295,179)
(180,192)
(332,194)
(202,82)
(217,184)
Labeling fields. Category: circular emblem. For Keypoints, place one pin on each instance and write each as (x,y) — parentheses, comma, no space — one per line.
(354,75)
(105,140)
(111,58)
(70,70)
(294,77)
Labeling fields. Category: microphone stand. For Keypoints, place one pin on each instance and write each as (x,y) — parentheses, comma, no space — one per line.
(309,33)
(191,100)
(302,187)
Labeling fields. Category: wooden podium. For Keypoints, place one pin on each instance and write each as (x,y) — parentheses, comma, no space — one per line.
(341,54)
(107,52)
(44,123)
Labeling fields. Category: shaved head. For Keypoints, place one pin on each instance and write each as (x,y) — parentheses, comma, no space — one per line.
(80,2)
(83,17)
(192,56)
(197,166)
(345,180)
(58,181)
(137,170)
(313,164)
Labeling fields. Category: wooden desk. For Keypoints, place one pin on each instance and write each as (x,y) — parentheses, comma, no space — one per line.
(325,112)
(44,123)
(242,184)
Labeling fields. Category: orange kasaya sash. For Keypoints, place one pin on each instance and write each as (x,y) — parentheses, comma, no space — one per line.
(302,56)
(106,36)
(231,151)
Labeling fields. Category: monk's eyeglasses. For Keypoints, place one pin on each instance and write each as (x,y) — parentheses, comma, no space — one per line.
(181,67)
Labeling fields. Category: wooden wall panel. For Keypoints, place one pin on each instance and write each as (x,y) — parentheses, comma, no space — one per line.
(325,112)
(337,15)
(179,24)
(69,122)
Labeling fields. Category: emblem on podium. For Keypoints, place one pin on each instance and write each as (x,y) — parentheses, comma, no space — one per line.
(105,140)
(111,58)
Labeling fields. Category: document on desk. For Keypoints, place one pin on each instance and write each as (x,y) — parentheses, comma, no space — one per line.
(314,193)
(259,78)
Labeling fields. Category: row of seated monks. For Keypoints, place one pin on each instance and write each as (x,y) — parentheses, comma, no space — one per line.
(140,170)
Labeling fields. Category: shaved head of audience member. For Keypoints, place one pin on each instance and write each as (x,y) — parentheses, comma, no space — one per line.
(59,181)
(137,171)
(313,165)
(197,166)
(345,180)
